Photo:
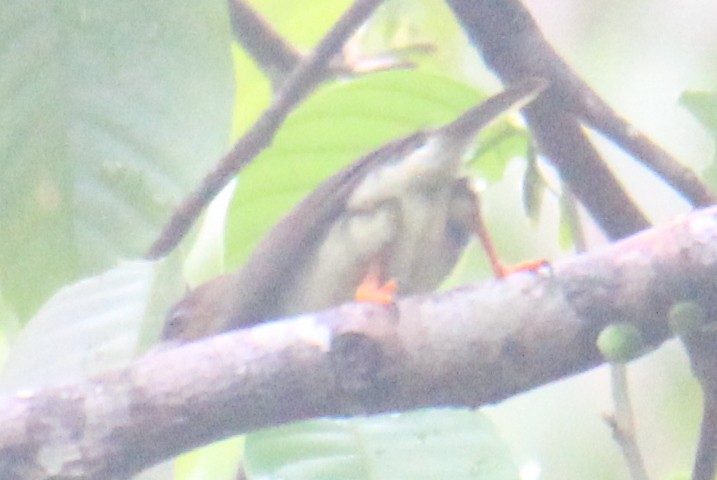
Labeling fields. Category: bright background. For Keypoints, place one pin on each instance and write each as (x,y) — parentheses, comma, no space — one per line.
(114,110)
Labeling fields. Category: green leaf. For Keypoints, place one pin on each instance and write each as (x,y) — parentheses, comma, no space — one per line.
(499,143)
(332,128)
(86,328)
(111,112)
(218,461)
(569,228)
(533,187)
(424,444)
(684,475)
(703,105)
(423,32)
(302,23)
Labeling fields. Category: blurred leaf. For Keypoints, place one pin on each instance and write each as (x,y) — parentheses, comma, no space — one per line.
(685,475)
(9,323)
(166,288)
(253,91)
(423,32)
(533,186)
(709,174)
(569,230)
(302,23)
(111,112)
(86,328)
(219,461)
(703,105)
(335,126)
(565,233)
(425,444)
(499,143)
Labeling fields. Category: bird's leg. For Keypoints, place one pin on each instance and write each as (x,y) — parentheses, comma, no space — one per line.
(500,270)
(374,288)
(481,231)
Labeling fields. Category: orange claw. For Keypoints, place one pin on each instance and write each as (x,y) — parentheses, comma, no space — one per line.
(372,289)
(535,265)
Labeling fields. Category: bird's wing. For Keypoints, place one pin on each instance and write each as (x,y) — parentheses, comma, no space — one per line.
(279,257)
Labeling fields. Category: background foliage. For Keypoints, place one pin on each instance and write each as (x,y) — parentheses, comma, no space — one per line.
(113,110)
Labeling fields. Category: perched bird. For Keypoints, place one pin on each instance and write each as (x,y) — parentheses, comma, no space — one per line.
(398,217)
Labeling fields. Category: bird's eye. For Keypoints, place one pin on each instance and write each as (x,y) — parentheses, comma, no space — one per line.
(175,323)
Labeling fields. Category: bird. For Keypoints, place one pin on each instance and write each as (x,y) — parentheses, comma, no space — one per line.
(397,218)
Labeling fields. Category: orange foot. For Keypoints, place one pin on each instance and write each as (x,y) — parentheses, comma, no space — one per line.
(372,289)
(529,266)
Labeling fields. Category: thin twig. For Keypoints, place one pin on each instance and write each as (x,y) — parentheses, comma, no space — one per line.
(601,117)
(273,54)
(298,85)
(277,58)
(622,422)
(704,464)
(700,341)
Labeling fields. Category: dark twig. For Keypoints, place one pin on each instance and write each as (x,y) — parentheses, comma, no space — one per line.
(563,141)
(604,119)
(298,85)
(700,341)
(514,47)
(706,456)
(276,57)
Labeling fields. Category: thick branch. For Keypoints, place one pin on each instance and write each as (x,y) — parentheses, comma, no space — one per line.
(562,139)
(300,83)
(467,347)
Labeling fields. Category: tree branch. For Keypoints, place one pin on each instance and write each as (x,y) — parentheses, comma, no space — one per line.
(468,347)
(604,119)
(297,86)
(563,141)
(514,47)
(273,54)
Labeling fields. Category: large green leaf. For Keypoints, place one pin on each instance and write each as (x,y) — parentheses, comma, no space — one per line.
(335,126)
(703,105)
(111,112)
(302,23)
(424,444)
(86,328)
